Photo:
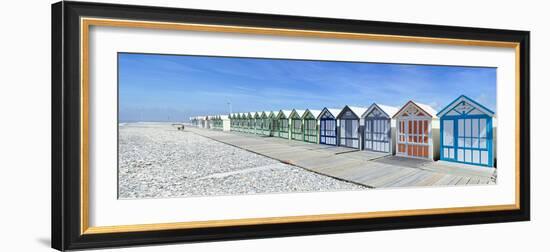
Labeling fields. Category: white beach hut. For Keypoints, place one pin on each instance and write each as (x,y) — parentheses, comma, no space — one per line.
(224,123)
(377,128)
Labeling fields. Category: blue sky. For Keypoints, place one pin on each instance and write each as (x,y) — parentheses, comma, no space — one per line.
(173,87)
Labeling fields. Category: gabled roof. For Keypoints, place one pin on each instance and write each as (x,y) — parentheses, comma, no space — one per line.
(286,113)
(298,112)
(467,100)
(388,110)
(333,111)
(264,114)
(427,109)
(357,111)
(271,114)
(315,113)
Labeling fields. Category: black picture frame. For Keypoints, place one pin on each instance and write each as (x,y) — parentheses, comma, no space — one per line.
(66,155)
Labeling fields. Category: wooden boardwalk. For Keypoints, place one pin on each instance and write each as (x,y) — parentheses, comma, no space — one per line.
(371,169)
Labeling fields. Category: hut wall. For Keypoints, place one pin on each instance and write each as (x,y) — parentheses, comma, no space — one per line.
(393,139)
(436,135)
(226,125)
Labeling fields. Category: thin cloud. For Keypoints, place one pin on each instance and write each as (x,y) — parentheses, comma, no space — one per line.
(193,85)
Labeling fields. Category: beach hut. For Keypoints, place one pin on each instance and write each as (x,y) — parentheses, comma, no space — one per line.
(222,120)
(377,125)
(327,126)
(247,121)
(311,125)
(205,122)
(237,119)
(201,121)
(467,132)
(283,118)
(273,123)
(415,137)
(266,123)
(296,129)
(242,122)
(216,122)
(257,122)
(232,121)
(349,121)
(224,123)
(213,122)
(208,122)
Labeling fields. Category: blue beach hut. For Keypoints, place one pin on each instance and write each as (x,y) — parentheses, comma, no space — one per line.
(327,126)
(466,132)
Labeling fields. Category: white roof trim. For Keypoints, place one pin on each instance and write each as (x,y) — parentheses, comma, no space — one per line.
(390,111)
(315,113)
(468,100)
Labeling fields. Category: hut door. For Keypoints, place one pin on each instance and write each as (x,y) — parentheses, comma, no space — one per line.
(297,129)
(413,138)
(349,135)
(283,128)
(328,131)
(474,140)
(448,148)
(310,130)
(377,134)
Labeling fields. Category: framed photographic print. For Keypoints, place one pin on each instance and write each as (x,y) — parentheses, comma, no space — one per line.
(180,125)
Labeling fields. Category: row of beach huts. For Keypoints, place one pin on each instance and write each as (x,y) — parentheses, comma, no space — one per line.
(461,132)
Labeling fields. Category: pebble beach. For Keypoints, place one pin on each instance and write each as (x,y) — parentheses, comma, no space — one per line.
(158,161)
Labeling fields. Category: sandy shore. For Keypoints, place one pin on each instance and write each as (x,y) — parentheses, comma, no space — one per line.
(157,161)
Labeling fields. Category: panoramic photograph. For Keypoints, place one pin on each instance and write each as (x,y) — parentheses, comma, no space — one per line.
(191,126)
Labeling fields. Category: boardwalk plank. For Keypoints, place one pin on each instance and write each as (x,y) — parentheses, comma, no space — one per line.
(363,167)
(463,181)
(445,180)
(388,178)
